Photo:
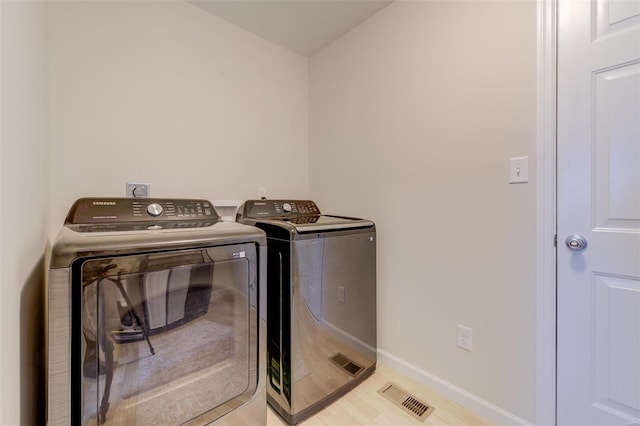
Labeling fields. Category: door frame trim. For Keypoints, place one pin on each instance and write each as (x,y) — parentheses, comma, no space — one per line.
(546,212)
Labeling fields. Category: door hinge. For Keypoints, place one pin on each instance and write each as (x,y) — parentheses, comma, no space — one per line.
(555,240)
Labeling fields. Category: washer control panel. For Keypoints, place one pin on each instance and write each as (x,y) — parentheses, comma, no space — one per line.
(278,209)
(147,213)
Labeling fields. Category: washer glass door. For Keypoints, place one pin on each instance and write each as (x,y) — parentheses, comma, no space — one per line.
(165,337)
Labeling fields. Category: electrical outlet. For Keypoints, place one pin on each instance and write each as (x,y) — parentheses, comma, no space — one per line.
(465,337)
(341,294)
(138,190)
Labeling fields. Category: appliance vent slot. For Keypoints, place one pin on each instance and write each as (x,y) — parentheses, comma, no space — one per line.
(406,401)
(346,364)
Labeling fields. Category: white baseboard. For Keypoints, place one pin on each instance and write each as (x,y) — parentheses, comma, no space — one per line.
(479,406)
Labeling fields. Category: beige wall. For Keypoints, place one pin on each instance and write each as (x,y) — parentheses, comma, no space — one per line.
(93,95)
(416,110)
(23,198)
(413,117)
(163,92)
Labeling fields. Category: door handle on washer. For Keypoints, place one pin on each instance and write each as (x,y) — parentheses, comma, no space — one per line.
(281,325)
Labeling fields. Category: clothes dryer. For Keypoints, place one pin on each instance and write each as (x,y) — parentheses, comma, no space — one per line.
(321,303)
(156,315)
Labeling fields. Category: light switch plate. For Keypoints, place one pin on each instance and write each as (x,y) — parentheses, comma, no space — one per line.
(519,170)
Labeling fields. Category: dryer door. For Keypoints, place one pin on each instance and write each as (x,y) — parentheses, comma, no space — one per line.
(165,337)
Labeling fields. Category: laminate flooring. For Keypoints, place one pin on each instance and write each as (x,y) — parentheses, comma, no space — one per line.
(364,406)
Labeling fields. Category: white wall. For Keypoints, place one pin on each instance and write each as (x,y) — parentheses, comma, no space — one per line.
(413,116)
(23,198)
(418,109)
(159,92)
(163,92)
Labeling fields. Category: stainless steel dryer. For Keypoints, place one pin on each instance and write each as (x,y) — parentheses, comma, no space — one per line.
(155,316)
(321,303)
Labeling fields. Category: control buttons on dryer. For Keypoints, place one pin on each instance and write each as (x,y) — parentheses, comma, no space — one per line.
(154,209)
(286,207)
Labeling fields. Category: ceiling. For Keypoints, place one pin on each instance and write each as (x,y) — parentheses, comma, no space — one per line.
(301,26)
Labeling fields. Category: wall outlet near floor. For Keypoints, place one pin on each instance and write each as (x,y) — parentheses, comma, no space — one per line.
(465,337)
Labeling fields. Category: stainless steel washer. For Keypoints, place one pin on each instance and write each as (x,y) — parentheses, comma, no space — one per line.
(156,315)
(321,303)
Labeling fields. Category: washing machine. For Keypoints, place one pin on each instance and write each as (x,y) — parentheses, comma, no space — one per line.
(321,303)
(156,316)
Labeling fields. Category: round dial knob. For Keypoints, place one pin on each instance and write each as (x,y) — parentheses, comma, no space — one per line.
(286,207)
(154,209)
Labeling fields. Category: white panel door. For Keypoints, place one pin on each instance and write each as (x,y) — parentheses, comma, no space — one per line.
(599,198)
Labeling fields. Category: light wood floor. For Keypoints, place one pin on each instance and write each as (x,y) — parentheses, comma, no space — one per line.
(364,406)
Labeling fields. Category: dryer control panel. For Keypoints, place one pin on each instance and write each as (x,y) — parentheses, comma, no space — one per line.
(279,209)
(116,214)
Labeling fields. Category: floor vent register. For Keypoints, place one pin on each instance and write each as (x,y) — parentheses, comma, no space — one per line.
(406,401)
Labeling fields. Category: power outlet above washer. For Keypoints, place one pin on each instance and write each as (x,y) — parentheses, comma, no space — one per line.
(138,190)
